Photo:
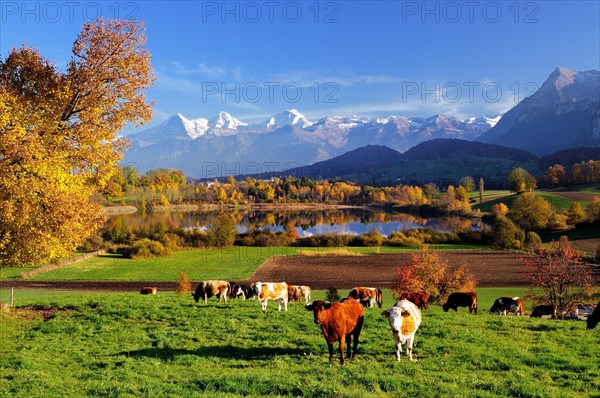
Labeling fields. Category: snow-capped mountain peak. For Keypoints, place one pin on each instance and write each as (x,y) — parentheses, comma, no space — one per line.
(289,117)
(225,121)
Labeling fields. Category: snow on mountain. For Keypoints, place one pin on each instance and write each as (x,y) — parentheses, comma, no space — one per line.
(285,137)
(289,117)
(225,121)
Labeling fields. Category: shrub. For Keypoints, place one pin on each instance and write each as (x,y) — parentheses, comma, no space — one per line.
(430,272)
(332,294)
(222,232)
(93,243)
(505,234)
(557,276)
(399,239)
(371,238)
(146,248)
(184,287)
(532,240)
(171,241)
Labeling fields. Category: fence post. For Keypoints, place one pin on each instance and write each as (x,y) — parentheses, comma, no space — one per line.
(12,292)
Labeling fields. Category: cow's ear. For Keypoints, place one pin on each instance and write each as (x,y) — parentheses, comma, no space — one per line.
(309,306)
(385,314)
(327,305)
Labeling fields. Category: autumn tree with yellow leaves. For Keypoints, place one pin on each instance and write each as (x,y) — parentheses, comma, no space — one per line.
(58,142)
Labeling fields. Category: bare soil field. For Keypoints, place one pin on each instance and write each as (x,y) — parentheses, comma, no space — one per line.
(491,268)
(578,196)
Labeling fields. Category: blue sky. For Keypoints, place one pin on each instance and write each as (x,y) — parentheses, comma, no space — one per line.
(367,58)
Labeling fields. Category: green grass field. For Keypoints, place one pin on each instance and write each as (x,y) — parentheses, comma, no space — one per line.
(556,201)
(232,263)
(165,345)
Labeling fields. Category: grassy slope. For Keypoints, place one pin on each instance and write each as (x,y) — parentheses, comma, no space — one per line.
(165,345)
(232,263)
(558,202)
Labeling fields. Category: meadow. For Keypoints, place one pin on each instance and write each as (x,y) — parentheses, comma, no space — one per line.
(125,344)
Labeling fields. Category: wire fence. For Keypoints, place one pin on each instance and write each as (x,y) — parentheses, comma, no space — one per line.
(9,298)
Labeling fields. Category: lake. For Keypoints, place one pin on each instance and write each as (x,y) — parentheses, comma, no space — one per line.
(353,221)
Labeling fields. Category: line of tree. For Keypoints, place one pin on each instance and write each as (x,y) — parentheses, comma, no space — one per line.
(581,173)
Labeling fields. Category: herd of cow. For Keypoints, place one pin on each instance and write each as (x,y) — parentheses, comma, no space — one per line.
(343,321)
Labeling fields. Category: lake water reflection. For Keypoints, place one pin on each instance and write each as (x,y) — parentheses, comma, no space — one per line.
(353,221)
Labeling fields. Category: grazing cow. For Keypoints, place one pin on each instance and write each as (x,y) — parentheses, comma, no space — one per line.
(594,318)
(272,291)
(298,293)
(247,291)
(148,290)
(542,310)
(235,290)
(207,289)
(459,299)
(420,299)
(339,322)
(405,318)
(367,296)
(504,305)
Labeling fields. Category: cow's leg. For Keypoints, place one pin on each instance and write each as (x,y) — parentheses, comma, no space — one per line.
(342,359)
(205,299)
(356,334)
(330,348)
(349,345)
(263,305)
(285,303)
(409,346)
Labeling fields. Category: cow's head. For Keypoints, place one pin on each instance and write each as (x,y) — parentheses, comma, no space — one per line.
(318,307)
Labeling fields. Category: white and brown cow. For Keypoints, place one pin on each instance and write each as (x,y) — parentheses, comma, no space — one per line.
(504,305)
(367,296)
(276,291)
(207,289)
(297,293)
(405,318)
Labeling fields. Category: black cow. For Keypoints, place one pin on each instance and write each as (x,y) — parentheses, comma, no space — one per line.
(235,290)
(594,318)
(542,310)
(247,291)
(459,299)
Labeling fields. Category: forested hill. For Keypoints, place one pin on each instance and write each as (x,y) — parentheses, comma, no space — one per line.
(453,148)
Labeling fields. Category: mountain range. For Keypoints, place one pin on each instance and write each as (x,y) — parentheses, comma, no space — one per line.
(564,113)
(284,139)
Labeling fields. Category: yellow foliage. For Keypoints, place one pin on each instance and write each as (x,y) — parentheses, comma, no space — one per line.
(58,141)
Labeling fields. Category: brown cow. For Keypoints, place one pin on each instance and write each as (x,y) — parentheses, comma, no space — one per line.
(148,290)
(504,305)
(544,310)
(594,318)
(420,299)
(339,322)
(460,299)
(367,296)
(207,289)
